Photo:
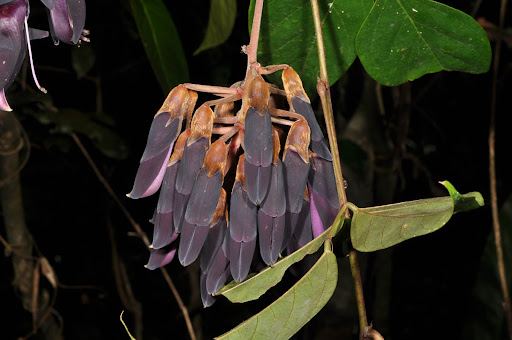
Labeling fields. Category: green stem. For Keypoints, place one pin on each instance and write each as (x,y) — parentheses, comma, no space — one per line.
(325,97)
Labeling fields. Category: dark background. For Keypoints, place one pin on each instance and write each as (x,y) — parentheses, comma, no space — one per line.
(433,129)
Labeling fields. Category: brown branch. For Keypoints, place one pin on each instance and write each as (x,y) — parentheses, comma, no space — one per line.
(492,173)
(138,229)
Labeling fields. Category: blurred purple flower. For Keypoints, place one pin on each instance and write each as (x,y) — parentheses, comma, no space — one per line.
(67,20)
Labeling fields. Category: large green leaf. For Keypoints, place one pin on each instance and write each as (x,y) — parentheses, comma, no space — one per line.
(161,42)
(257,285)
(402,40)
(287,36)
(296,307)
(381,227)
(220,24)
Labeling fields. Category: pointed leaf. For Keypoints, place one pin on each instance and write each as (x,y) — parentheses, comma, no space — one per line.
(415,37)
(381,227)
(288,36)
(161,42)
(220,24)
(255,286)
(295,308)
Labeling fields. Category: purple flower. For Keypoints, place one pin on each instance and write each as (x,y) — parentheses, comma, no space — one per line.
(280,192)
(67,20)
(12,44)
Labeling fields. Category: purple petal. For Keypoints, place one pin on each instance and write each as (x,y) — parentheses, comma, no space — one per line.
(257,179)
(270,236)
(303,233)
(219,270)
(295,179)
(192,240)
(77,14)
(191,163)
(213,243)
(163,232)
(304,108)
(301,220)
(4,105)
(322,213)
(60,26)
(179,205)
(161,135)
(242,215)
(240,256)
(165,200)
(204,198)
(150,175)
(322,181)
(320,148)
(275,203)
(48,3)
(258,142)
(207,299)
(35,34)
(160,257)
(12,43)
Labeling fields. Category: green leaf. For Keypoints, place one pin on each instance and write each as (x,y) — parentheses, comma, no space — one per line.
(83,59)
(403,40)
(287,36)
(67,121)
(220,24)
(296,307)
(161,42)
(381,227)
(257,285)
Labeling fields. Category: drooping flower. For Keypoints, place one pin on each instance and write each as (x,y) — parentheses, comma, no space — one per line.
(279,195)
(12,44)
(66,20)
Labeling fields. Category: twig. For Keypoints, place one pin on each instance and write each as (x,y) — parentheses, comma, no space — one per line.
(252,49)
(139,231)
(325,98)
(492,173)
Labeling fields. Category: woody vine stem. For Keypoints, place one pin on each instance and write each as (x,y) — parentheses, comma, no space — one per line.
(325,98)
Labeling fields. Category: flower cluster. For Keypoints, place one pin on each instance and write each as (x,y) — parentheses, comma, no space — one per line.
(66,23)
(280,198)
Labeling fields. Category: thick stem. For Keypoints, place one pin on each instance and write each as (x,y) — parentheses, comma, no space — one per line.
(492,174)
(325,97)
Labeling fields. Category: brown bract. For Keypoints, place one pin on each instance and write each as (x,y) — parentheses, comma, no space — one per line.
(256,95)
(225,110)
(216,158)
(178,147)
(293,86)
(202,124)
(191,104)
(221,207)
(240,171)
(176,102)
(298,139)
(277,145)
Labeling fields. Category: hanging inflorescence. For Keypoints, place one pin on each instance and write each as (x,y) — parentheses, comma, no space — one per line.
(283,193)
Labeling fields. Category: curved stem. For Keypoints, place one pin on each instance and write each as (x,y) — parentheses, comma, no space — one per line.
(325,97)
(492,175)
